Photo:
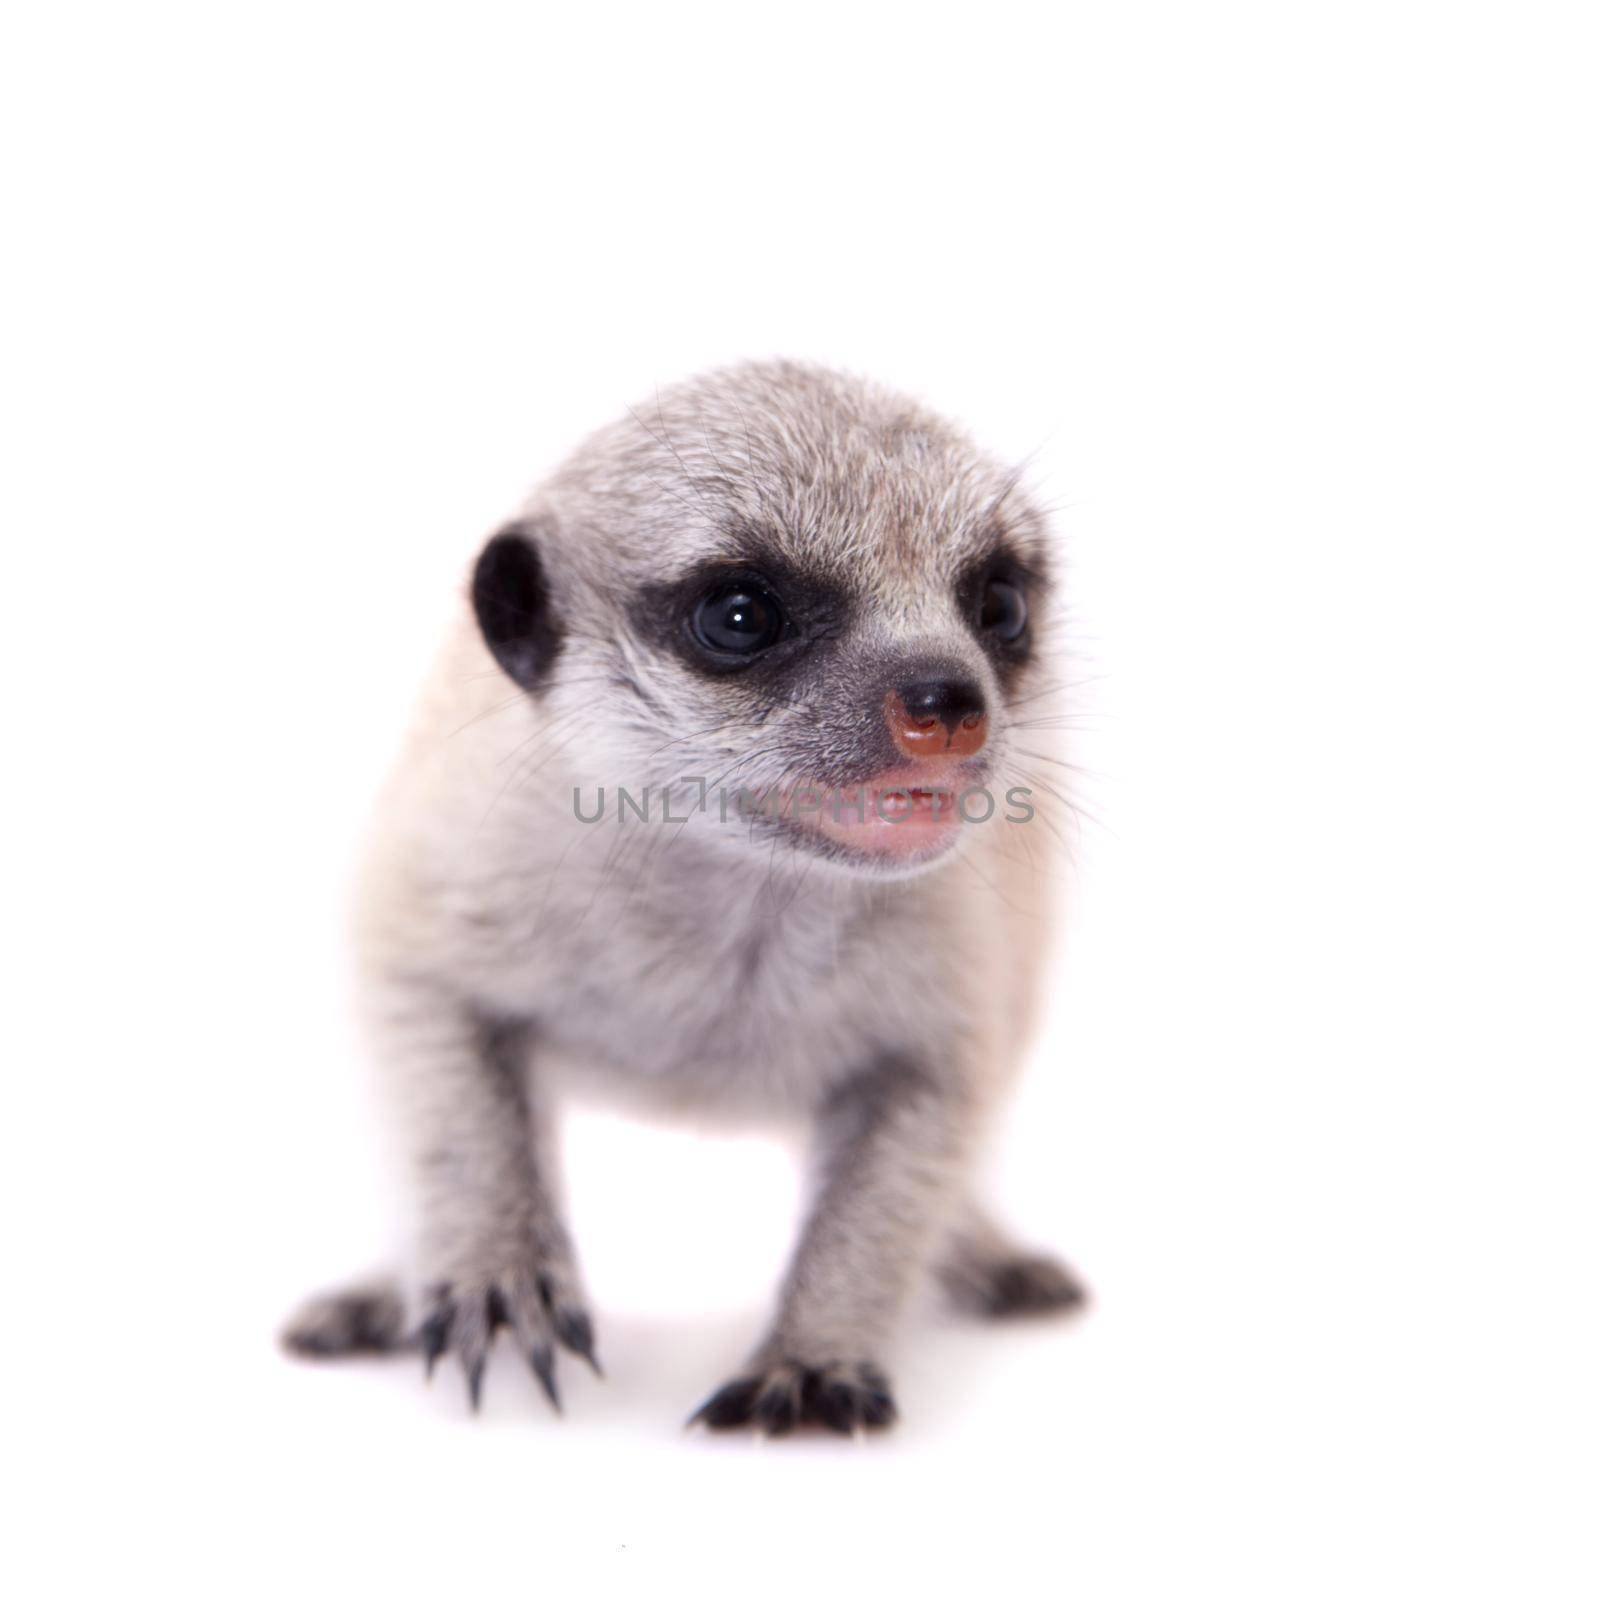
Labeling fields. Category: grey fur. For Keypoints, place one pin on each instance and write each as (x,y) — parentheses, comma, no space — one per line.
(511,953)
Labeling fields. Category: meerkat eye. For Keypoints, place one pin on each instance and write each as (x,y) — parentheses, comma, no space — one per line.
(740,619)
(1004,612)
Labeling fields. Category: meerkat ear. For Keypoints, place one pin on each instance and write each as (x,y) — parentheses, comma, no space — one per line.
(511,598)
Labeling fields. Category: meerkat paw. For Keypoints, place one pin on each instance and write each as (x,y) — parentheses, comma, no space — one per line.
(365,1319)
(1017,1286)
(541,1308)
(777,1398)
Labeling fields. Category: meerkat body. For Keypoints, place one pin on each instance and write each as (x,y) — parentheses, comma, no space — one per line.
(677,819)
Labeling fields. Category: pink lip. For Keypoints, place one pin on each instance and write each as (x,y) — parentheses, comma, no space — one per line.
(903,814)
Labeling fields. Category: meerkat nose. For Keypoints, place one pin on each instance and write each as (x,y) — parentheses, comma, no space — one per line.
(937,717)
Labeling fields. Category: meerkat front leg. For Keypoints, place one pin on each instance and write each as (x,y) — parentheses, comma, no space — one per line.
(891,1150)
(492,1249)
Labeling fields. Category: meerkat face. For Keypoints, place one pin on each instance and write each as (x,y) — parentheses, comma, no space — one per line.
(791,600)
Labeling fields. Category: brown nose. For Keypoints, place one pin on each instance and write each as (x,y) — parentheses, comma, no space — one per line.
(940,718)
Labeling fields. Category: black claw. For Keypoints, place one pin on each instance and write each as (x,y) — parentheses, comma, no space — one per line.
(495,1310)
(475,1382)
(435,1335)
(543,1361)
(730,1406)
(778,1409)
(837,1406)
(878,1409)
(576,1332)
(780,1401)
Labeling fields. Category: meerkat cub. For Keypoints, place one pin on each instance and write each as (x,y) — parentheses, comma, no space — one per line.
(717,795)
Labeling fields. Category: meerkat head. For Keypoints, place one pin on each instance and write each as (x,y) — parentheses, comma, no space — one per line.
(789,587)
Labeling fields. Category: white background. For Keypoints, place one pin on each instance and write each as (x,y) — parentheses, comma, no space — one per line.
(1296,306)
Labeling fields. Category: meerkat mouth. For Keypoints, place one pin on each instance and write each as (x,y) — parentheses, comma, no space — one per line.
(901,805)
(899,816)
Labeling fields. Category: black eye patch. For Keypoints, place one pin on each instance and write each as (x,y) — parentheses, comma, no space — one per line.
(736,617)
(997,596)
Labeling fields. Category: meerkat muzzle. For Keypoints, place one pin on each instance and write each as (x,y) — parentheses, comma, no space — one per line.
(944,718)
